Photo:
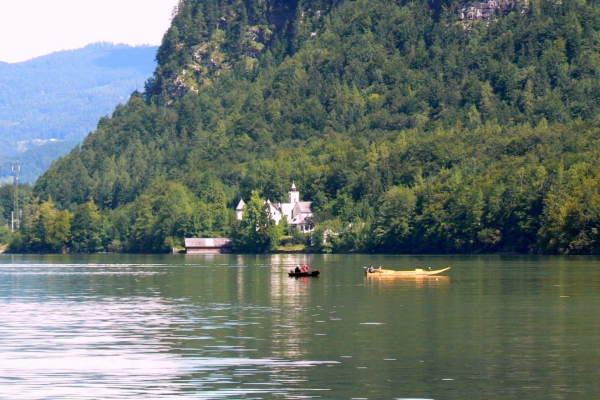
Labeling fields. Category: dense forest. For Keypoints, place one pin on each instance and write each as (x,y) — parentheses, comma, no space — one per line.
(61,96)
(411,127)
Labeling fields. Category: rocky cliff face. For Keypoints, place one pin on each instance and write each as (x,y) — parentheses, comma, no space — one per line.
(208,38)
(485,10)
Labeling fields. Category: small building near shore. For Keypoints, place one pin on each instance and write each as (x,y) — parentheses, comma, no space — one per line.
(208,245)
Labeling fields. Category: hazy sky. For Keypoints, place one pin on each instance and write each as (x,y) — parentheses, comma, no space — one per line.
(32,28)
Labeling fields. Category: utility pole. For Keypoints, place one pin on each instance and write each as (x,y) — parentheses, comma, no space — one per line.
(16,214)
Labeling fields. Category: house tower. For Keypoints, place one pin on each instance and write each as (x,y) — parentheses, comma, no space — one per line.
(239,210)
(294,195)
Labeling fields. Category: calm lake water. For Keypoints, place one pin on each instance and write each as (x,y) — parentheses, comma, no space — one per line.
(228,326)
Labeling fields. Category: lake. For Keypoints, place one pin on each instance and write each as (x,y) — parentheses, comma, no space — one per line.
(236,326)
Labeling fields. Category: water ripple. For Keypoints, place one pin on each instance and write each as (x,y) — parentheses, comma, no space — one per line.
(81,347)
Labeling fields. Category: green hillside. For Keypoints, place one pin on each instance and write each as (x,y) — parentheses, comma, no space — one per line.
(61,96)
(411,127)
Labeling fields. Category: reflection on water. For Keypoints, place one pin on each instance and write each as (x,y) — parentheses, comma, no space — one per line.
(238,327)
(399,280)
(51,348)
(67,338)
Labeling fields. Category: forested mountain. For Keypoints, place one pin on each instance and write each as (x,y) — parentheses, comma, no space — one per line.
(413,126)
(61,96)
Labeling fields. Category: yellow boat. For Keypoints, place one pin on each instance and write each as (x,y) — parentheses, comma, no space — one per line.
(416,272)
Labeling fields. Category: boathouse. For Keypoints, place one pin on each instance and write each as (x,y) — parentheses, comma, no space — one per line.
(208,245)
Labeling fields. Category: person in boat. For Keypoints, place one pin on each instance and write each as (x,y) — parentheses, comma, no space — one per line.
(371,269)
(305,268)
(297,270)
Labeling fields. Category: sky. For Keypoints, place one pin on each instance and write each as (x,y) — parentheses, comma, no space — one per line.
(32,28)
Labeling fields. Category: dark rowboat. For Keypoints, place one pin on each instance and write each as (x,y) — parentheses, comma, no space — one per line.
(310,273)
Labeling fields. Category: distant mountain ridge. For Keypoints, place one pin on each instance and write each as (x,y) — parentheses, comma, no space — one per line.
(62,95)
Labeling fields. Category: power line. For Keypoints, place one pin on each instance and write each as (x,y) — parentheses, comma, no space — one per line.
(16,212)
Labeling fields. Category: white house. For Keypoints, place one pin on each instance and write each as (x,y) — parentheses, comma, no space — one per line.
(298,212)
